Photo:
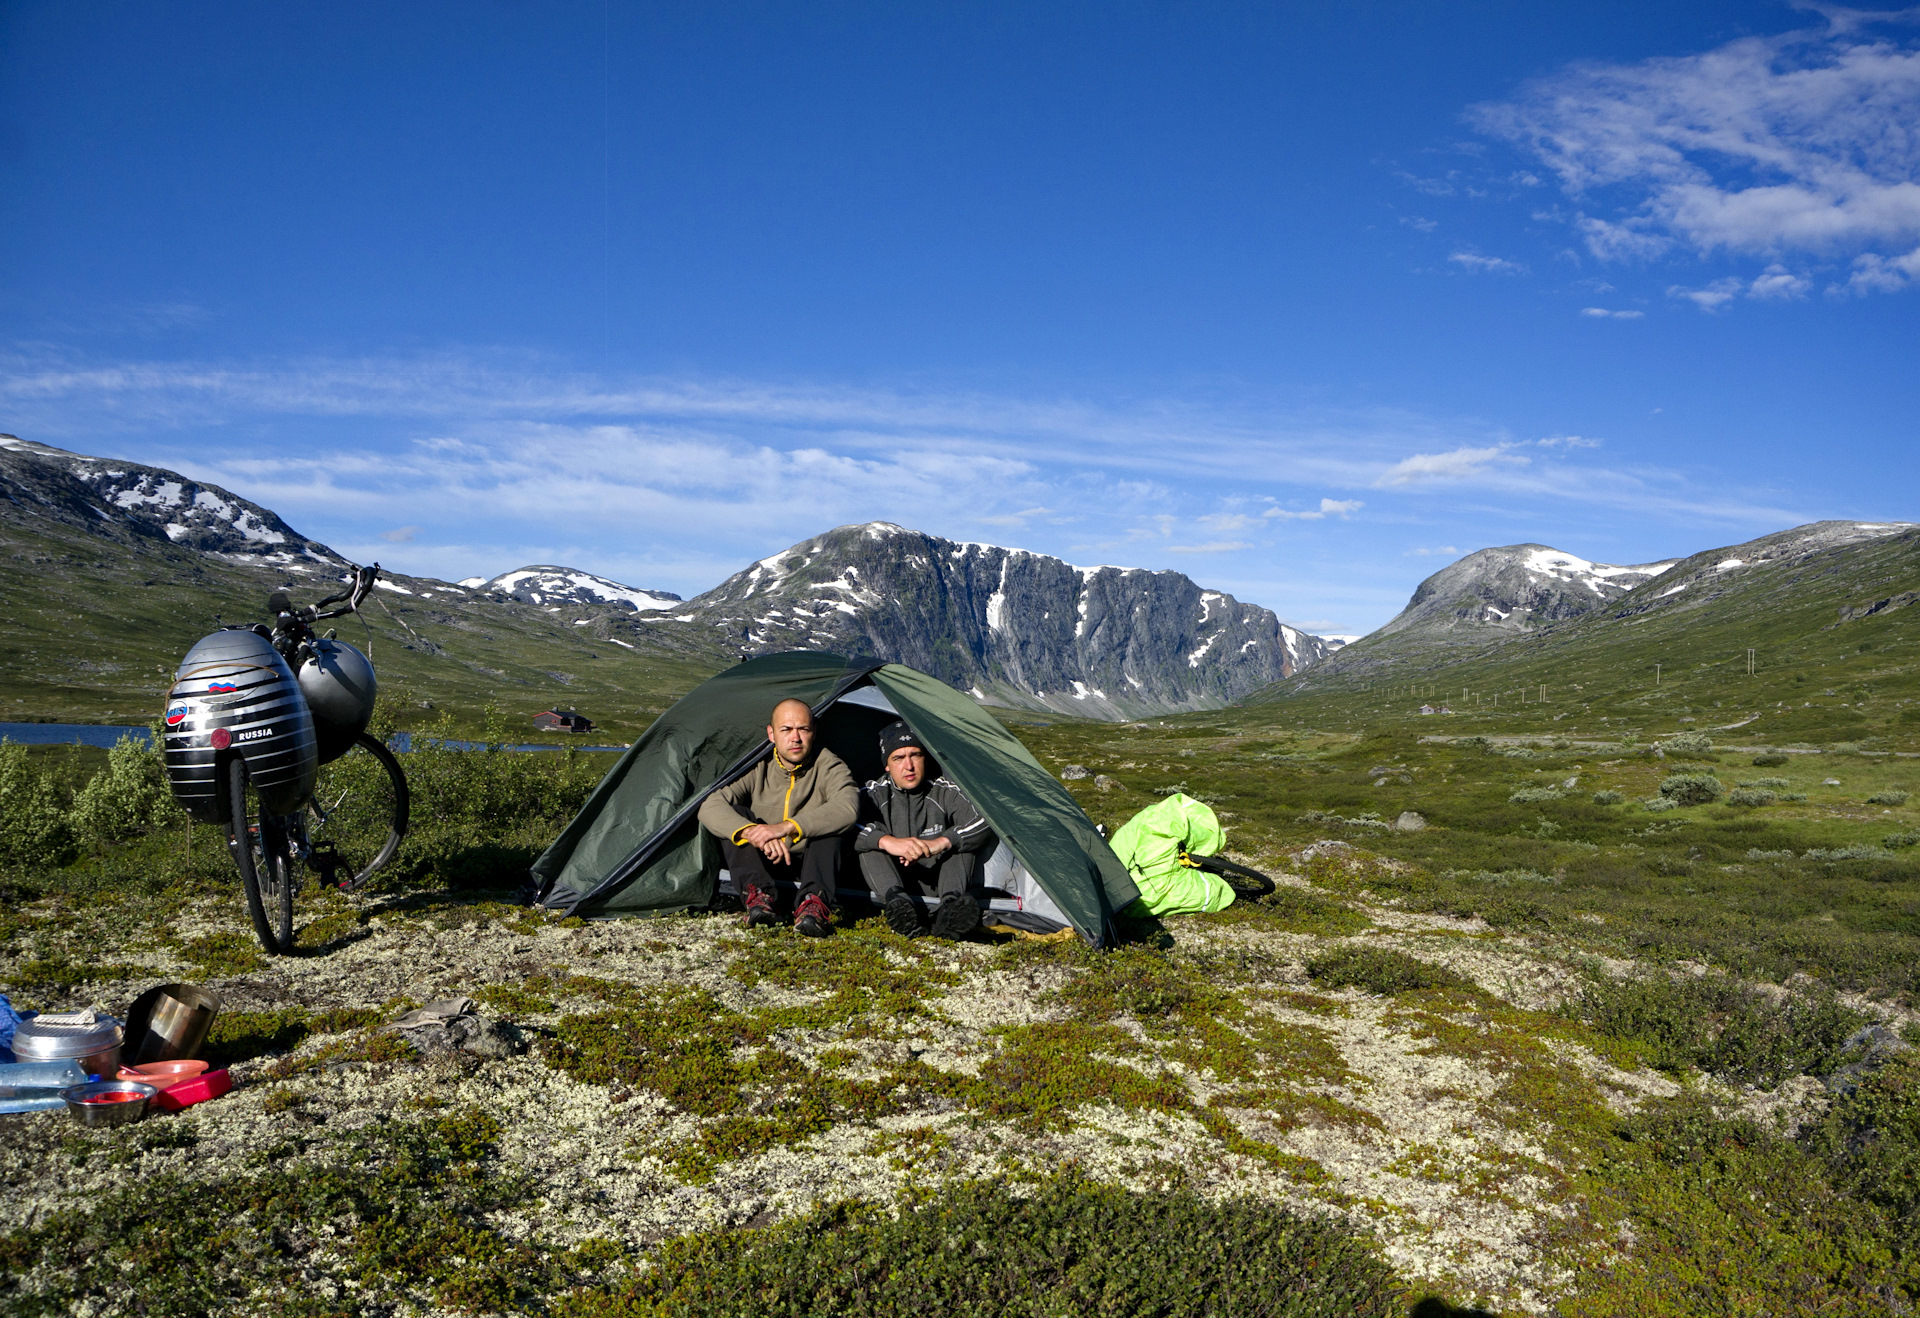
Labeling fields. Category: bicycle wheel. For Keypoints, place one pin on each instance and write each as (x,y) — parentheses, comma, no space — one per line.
(1244,882)
(361,808)
(259,847)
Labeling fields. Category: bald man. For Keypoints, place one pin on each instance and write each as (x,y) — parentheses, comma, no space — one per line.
(788,819)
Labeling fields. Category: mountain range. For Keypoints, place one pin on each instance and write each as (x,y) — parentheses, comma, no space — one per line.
(1015,628)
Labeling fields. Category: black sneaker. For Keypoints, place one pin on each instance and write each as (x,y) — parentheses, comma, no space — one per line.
(903,914)
(956,917)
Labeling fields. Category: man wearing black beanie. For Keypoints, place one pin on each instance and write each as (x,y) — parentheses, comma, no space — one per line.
(919,830)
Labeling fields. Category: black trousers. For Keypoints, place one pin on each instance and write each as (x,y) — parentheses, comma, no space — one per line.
(815,868)
(883,873)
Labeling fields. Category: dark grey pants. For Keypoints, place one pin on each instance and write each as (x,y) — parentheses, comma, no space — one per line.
(883,874)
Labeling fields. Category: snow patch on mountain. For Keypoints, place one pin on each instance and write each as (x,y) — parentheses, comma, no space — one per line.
(548,585)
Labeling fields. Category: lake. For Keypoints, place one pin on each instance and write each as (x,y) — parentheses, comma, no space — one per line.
(105,735)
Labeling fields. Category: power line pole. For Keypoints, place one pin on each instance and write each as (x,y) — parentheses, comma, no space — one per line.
(1656,674)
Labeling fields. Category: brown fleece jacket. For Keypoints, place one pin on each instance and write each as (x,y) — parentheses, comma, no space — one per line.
(819,795)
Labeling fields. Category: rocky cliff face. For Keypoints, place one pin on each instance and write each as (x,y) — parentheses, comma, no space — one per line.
(1012,627)
(1513,588)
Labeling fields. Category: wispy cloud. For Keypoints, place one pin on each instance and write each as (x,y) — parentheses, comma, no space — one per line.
(499,460)
(1424,551)
(1602,313)
(1486,265)
(1799,143)
(1452,466)
(1213,547)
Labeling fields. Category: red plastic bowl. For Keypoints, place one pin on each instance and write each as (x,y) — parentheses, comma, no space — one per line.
(199,1089)
(163,1075)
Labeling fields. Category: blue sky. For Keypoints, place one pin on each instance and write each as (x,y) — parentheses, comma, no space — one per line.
(1304,301)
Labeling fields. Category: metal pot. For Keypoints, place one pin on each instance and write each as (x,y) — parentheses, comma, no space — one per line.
(169,1022)
(94,1044)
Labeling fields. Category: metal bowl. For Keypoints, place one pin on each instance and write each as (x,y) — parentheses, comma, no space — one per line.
(98,1104)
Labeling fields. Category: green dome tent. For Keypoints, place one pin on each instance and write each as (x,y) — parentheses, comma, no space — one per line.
(636,848)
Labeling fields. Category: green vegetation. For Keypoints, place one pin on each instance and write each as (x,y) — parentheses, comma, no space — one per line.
(980,1250)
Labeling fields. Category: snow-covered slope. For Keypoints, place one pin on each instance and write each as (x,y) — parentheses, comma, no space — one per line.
(1011,626)
(1515,588)
(152,501)
(549,585)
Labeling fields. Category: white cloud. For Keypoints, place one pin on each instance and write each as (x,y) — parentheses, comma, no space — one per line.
(1419,222)
(400,535)
(1454,465)
(1567,441)
(1602,313)
(1712,297)
(1443,550)
(1877,274)
(1327,508)
(1486,265)
(1017,520)
(1802,142)
(1212,547)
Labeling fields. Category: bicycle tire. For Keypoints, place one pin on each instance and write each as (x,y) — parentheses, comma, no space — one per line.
(402,807)
(1244,882)
(394,812)
(259,851)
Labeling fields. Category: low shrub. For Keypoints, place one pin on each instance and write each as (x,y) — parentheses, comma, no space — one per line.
(127,798)
(1691,788)
(1656,804)
(1381,970)
(1750,796)
(1719,1025)
(1892,796)
(985,1250)
(1755,853)
(1769,760)
(1534,795)
(1858,851)
(1607,798)
(34,828)
(1687,743)
(1906,839)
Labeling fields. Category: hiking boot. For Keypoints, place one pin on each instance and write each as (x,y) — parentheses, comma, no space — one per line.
(812,918)
(759,906)
(956,917)
(903,914)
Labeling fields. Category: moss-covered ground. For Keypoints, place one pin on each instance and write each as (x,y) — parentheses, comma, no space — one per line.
(1536,1056)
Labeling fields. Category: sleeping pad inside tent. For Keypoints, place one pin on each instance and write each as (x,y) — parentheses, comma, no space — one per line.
(636,847)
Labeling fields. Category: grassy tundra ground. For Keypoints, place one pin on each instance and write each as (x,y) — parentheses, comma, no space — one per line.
(1550,1053)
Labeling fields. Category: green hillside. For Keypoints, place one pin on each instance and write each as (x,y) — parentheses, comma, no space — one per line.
(1815,678)
(91,626)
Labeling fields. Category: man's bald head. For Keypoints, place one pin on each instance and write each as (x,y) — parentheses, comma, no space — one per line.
(790,729)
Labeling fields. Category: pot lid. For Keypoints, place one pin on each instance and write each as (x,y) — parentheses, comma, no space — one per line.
(50,1037)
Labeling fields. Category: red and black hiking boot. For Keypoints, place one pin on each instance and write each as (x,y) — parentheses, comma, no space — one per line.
(759,906)
(812,918)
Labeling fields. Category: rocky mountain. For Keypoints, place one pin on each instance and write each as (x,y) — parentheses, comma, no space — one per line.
(1513,588)
(1012,627)
(550,587)
(128,500)
(1490,601)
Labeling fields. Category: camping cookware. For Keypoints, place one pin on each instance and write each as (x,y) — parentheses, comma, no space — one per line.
(163,1075)
(93,1041)
(169,1022)
(108,1102)
(198,1089)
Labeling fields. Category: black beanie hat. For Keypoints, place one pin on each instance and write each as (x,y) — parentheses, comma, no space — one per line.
(894,736)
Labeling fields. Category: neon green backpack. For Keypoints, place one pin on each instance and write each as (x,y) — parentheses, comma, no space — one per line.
(1171,851)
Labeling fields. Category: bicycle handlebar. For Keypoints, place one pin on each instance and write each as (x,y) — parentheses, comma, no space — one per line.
(281,604)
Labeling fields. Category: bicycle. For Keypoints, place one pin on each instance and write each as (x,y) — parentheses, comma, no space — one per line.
(253,715)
